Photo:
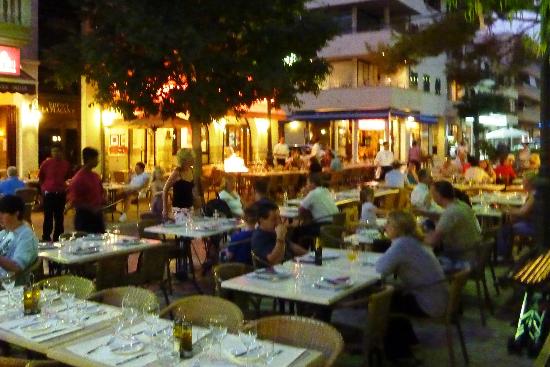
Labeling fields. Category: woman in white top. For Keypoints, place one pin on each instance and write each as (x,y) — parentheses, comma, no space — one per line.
(156,186)
(231,197)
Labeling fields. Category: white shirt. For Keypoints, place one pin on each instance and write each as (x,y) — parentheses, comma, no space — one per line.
(316,151)
(320,203)
(395,178)
(420,197)
(384,158)
(368,213)
(233,201)
(477,175)
(280,151)
(139,181)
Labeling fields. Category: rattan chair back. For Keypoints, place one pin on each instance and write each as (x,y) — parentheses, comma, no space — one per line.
(303,332)
(331,236)
(144,223)
(28,194)
(114,296)
(81,287)
(378,313)
(258,262)
(227,271)
(457,282)
(199,309)
(112,272)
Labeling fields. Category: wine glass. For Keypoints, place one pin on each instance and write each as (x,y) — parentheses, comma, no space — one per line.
(218,329)
(8,283)
(151,311)
(248,334)
(130,312)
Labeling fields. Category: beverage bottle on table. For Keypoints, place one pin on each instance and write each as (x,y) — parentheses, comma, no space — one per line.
(183,337)
(318,252)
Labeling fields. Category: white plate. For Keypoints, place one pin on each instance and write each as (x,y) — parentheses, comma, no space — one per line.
(273,275)
(325,283)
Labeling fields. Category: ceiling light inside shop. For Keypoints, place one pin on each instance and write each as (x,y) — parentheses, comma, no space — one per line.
(294,125)
(372,124)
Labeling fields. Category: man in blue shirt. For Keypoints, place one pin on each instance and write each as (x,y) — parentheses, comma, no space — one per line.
(11,183)
(395,178)
(238,249)
(18,244)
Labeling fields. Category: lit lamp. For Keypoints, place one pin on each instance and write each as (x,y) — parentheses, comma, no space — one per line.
(234,164)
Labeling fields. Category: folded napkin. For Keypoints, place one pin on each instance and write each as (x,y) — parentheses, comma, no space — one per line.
(270,274)
(334,283)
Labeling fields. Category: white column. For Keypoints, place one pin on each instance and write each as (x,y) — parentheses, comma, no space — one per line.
(354,141)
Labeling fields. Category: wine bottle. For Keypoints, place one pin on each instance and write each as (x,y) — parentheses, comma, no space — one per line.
(318,252)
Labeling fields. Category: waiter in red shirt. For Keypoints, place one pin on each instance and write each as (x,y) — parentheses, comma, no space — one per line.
(86,195)
(54,171)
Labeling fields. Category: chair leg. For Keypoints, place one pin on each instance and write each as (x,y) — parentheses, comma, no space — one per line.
(462,343)
(169,278)
(495,280)
(165,293)
(449,333)
(488,300)
(480,301)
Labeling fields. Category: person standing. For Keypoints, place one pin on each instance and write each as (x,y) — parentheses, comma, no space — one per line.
(281,151)
(415,155)
(524,155)
(182,183)
(54,171)
(384,159)
(86,195)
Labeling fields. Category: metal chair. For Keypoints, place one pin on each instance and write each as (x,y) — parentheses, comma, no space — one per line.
(28,194)
(303,332)
(199,309)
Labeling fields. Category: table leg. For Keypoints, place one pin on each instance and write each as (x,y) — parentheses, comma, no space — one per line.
(185,265)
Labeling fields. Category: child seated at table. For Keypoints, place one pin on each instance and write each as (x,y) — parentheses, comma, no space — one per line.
(368,209)
(239,248)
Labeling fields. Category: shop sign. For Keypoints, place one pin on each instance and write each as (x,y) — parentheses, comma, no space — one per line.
(17,88)
(10,60)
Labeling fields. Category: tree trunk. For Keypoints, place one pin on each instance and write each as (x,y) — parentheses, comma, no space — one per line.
(197,151)
(543,183)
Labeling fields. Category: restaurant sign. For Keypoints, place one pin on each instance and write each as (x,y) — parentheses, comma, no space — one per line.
(10,58)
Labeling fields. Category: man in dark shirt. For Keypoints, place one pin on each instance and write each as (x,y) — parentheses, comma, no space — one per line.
(269,239)
(54,171)
(261,192)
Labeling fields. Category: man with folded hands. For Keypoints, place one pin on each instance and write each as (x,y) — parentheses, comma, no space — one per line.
(269,238)
(18,244)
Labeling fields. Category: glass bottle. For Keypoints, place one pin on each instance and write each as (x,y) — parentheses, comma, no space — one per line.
(318,252)
(183,337)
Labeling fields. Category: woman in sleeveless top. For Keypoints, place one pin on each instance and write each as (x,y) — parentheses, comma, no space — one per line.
(181,182)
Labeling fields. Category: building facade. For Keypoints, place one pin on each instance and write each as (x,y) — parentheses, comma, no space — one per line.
(359,107)
(19,109)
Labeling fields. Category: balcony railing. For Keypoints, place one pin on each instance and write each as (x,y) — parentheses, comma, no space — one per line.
(11,11)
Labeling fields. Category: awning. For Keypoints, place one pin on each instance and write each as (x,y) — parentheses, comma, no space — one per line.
(359,114)
(24,84)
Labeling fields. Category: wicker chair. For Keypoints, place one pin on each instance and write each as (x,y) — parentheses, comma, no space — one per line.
(19,362)
(231,270)
(81,287)
(477,274)
(303,332)
(152,269)
(331,236)
(198,309)
(111,272)
(114,296)
(258,262)
(373,327)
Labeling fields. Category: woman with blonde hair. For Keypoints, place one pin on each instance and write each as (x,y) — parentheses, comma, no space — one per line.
(181,182)
(157,186)
(230,196)
(423,290)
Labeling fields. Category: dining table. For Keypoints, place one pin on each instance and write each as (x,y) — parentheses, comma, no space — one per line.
(84,333)
(194,227)
(498,198)
(300,280)
(348,196)
(93,247)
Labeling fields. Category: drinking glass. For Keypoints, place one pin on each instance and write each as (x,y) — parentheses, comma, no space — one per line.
(8,283)
(150,313)
(266,352)
(130,313)
(248,334)
(218,328)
